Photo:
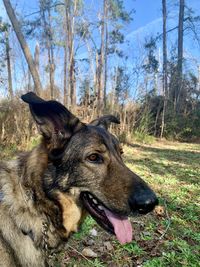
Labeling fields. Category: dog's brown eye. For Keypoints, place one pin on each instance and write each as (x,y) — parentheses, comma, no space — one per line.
(95,158)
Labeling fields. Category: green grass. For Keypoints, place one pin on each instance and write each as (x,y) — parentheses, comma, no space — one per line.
(10,151)
(173,171)
(143,138)
(85,228)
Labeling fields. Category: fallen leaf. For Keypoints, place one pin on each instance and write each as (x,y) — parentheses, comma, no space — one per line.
(146,233)
(93,232)
(101,249)
(160,230)
(139,262)
(89,242)
(108,246)
(87,252)
(159,210)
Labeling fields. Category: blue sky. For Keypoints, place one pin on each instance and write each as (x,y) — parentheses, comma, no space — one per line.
(147,20)
(147,16)
(148,12)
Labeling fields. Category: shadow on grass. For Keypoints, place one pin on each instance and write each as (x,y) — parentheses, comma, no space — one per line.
(180,164)
(169,154)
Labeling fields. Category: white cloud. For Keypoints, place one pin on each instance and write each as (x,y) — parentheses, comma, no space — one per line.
(152,26)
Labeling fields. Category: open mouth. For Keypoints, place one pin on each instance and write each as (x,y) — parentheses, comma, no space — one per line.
(112,223)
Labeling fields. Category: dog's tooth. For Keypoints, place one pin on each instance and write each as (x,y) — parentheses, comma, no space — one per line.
(95,201)
(90,196)
(100,207)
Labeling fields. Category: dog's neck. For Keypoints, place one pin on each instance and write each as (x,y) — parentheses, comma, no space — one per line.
(32,168)
(32,165)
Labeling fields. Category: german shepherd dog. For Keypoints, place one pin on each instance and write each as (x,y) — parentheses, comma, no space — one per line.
(76,169)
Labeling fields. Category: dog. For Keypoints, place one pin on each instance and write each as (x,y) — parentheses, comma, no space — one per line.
(76,170)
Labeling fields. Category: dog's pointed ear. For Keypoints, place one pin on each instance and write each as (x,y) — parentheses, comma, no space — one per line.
(105,121)
(55,122)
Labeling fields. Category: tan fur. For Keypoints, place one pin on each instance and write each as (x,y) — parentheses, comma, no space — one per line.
(71,212)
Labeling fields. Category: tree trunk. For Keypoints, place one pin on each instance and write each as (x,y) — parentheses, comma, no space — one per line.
(180,55)
(49,46)
(65,98)
(96,78)
(165,89)
(106,53)
(10,87)
(101,63)
(91,70)
(37,62)
(51,70)
(37,57)
(113,99)
(70,42)
(24,46)
(156,120)
(51,58)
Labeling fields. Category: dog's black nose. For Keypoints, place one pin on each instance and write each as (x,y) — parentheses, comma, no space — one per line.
(143,200)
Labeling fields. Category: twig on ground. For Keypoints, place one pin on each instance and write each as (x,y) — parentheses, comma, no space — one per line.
(169,222)
(78,252)
(167,227)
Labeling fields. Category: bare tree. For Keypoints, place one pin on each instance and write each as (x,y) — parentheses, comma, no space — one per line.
(65,89)
(37,56)
(10,87)
(106,53)
(165,91)
(180,54)
(101,62)
(45,7)
(24,45)
(70,11)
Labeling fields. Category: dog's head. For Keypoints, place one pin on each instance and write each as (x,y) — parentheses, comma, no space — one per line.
(85,163)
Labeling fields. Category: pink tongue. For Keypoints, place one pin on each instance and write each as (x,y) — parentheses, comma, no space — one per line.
(122,227)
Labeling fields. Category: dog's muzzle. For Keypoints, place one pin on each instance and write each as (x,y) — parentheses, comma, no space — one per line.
(142,200)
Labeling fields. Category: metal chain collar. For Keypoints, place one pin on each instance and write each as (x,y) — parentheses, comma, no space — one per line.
(45,227)
(49,255)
